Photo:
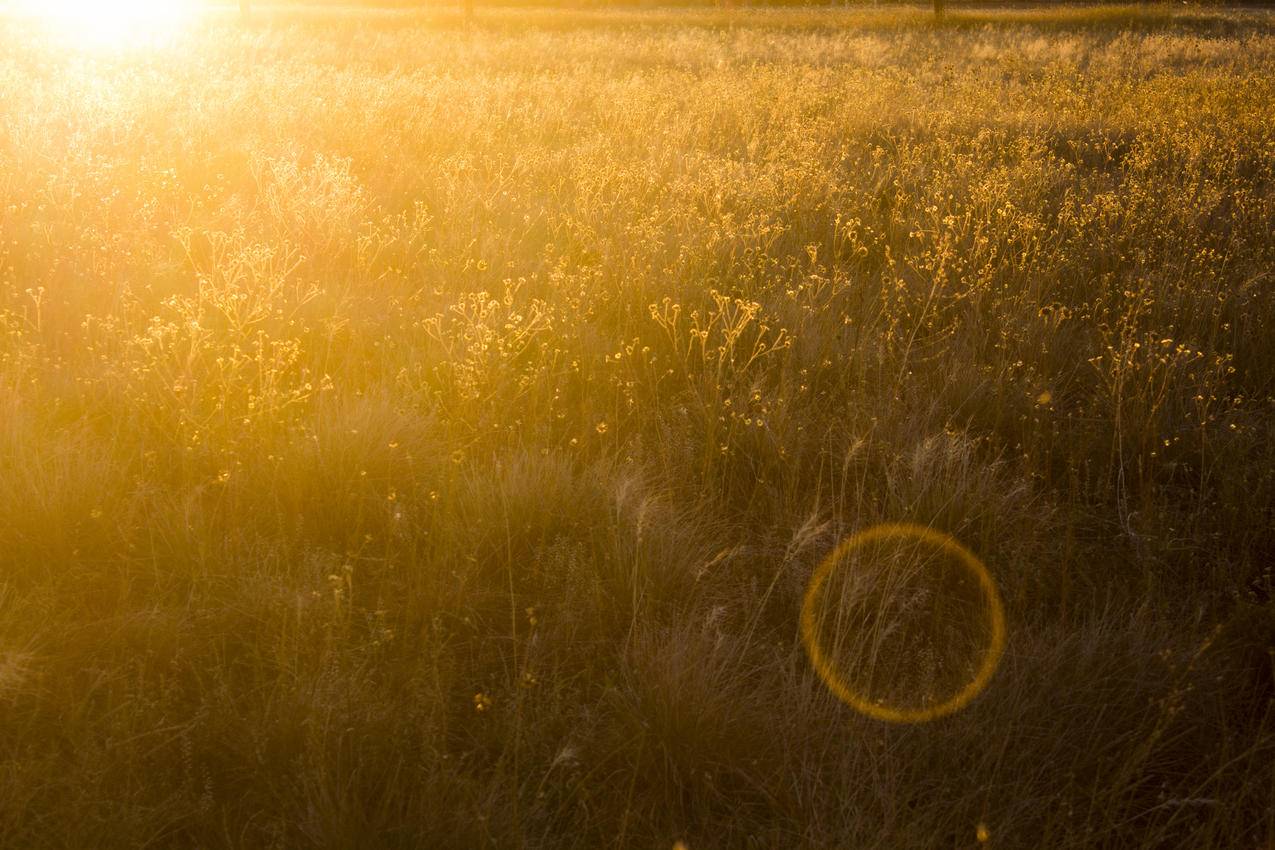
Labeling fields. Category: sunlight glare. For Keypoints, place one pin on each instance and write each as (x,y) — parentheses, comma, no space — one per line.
(118,23)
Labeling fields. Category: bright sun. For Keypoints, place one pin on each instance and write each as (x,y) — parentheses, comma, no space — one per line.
(110,23)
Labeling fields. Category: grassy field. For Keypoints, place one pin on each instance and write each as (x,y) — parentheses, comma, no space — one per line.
(414,435)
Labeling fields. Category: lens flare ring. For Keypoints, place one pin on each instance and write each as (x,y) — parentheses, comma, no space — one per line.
(837,683)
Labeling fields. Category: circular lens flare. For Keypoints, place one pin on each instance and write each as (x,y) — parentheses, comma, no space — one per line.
(903,623)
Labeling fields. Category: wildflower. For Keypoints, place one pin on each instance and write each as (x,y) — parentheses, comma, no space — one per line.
(602,427)
(482,702)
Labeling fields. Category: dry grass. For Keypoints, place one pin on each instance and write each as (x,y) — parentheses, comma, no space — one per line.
(422,436)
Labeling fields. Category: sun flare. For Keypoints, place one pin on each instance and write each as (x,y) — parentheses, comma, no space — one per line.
(120,23)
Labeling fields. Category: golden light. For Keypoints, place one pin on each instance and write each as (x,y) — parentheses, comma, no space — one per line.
(109,23)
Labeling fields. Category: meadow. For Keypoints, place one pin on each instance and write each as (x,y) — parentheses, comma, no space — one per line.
(420,434)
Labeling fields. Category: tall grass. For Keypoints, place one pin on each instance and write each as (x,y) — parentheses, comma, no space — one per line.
(422,436)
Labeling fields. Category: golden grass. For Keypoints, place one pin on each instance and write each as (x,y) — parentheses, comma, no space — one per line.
(417,435)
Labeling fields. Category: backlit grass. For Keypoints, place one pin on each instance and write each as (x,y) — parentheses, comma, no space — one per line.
(414,435)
